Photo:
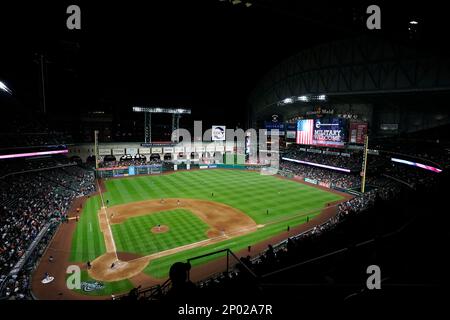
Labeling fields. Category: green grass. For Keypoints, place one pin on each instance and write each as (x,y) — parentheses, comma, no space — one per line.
(109,288)
(288,202)
(248,191)
(159,268)
(88,242)
(134,234)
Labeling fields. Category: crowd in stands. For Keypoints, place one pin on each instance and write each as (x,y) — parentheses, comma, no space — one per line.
(17,286)
(29,139)
(410,175)
(127,163)
(29,201)
(429,147)
(28,129)
(335,178)
(21,165)
(350,161)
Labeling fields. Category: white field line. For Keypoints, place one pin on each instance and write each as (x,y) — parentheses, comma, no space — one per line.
(107,221)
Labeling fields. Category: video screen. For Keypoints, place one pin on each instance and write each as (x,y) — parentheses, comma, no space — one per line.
(326,132)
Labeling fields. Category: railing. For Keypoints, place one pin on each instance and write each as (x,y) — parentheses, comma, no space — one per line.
(398,180)
(38,169)
(229,253)
(152,293)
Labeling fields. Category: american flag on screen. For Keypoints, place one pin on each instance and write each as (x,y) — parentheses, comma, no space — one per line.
(305,131)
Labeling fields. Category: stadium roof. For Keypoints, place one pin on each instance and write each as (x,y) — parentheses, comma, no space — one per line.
(207,54)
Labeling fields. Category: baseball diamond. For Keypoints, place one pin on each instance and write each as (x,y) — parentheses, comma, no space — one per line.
(195,222)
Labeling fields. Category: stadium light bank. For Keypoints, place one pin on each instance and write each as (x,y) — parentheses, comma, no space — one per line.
(5,88)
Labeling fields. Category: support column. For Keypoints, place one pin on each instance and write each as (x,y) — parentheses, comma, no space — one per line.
(364,165)
(148,127)
(175,126)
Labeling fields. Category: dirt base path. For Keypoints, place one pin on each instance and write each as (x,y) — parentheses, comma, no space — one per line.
(105,228)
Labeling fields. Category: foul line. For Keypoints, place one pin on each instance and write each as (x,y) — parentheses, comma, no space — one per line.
(107,221)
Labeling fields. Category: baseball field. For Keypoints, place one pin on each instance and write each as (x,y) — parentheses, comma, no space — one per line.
(154,221)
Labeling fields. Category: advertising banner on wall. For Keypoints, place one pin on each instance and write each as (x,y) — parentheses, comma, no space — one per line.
(210,148)
(229,148)
(290,134)
(144,150)
(274,125)
(179,149)
(358,131)
(220,148)
(104,152)
(118,151)
(313,181)
(157,150)
(132,151)
(324,184)
(291,126)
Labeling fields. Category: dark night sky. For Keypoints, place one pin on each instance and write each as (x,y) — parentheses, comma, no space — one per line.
(203,54)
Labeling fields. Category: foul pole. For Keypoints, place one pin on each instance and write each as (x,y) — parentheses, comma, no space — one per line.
(96,149)
(364,165)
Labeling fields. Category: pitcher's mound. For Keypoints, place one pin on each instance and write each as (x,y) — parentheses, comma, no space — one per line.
(160,229)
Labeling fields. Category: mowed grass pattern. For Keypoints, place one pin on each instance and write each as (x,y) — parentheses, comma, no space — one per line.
(87,241)
(288,202)
(247,191)
(134,234)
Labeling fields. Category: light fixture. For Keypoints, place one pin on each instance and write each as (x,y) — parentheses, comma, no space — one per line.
(288,101)
(162,110)
(5,88)
(303,98)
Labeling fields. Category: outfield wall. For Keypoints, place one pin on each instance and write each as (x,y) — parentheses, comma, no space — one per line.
(126,171)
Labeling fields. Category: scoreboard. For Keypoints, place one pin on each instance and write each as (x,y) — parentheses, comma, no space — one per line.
(326,132)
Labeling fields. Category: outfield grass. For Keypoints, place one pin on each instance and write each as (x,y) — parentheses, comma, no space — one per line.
(288,202)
